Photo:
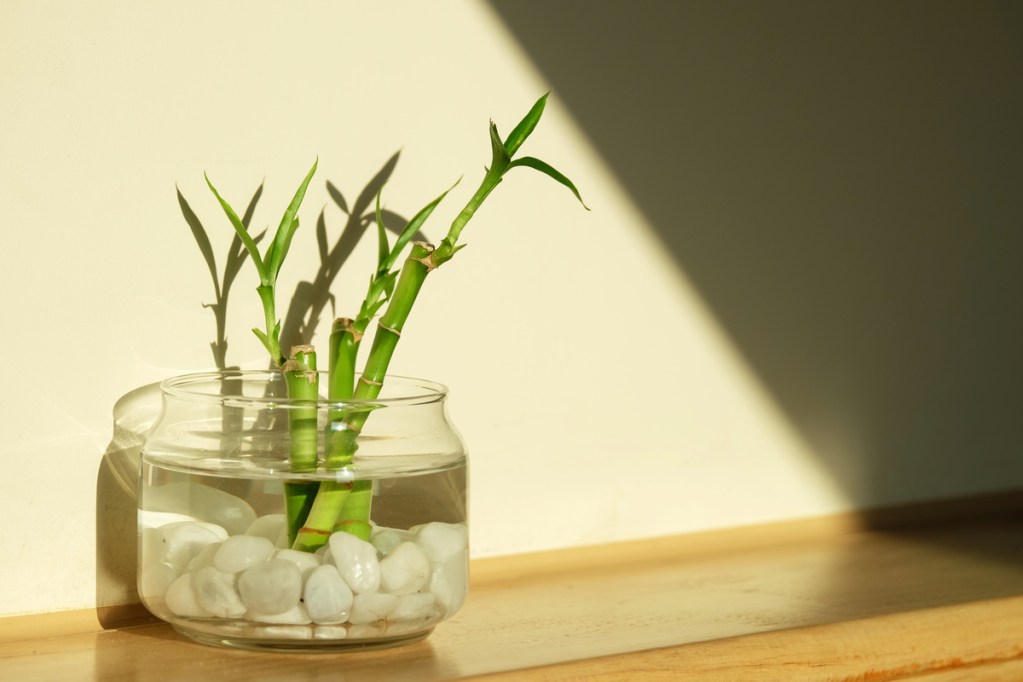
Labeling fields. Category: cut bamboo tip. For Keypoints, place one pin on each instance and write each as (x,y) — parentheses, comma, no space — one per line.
(302,348)
(346,325)
(426,260)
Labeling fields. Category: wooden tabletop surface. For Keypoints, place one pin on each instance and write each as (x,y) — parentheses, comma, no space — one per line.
(932,599)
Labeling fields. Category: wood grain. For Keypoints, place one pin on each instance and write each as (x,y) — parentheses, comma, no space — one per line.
(937,599)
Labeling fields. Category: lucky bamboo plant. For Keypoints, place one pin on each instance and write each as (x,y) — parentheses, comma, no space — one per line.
(317,509)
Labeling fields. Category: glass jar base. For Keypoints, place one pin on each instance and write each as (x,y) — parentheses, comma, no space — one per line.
(297,645)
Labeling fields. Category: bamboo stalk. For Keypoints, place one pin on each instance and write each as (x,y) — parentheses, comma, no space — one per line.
(302,381)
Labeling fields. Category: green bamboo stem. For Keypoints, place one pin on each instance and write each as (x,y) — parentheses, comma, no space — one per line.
(319,524)
(347,506)
(354,515)
(302,382)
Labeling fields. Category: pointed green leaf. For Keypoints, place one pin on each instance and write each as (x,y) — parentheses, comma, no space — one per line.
(383,250)
(262,337)
(387,283)
(235,259)
(239,228)
(500,154)
(549,171)
(413,227)
(525,126)
(286,230)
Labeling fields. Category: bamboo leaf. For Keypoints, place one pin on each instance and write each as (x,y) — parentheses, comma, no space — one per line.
(239,228)
(387,283)
(525,126)
(365,199)
(413,227)
(286,230)
(396,223)
(548,170)
(500,154)
(262,337)
(383,250)
(235,259)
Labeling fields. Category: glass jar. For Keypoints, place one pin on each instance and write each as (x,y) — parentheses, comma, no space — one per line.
(365,546)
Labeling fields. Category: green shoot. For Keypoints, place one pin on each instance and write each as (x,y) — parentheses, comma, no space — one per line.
(268,265)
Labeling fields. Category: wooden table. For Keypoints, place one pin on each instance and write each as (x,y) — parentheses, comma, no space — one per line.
(931,594)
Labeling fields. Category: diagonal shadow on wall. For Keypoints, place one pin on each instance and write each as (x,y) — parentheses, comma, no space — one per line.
(841,183)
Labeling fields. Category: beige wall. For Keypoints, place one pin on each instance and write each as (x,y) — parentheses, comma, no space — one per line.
(694,353)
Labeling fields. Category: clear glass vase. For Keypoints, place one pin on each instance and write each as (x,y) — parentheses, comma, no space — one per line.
(229,552)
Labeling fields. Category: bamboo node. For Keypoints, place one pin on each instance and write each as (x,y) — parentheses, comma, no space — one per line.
(396,332)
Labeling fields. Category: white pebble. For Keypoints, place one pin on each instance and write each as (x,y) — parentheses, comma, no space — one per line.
(371,606)
(203,558)
(327,597)
(178,543)
(215,592)
(405,570)
(450,582)
(182,600)
(386,539)
(271,588)
(440,541)
(242,551)
(414,607)
(155,579)
(305,561)
(285,632)
(294,616)
(356,561)
(330,632)
(272,527)
(201,501)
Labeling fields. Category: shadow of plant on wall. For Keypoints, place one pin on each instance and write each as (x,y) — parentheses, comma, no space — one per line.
(136,411)
(311,297)
(236,256)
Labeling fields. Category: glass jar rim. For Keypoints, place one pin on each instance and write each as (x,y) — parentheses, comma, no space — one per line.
(190,387)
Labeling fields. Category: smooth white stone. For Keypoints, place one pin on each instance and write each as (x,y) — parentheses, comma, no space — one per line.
(154,519)
(216,593)
(285,632)
(414,607)
(203,502)
(272,587)
(449,582)
(440,541)
(367,631)
(356,561)
(330,632)
(271,527)
(182,600)
(325,556)
(178,543)
(203,558)
(294,616)
(155,579)
(405,570)
(386,539)
(371,606)
(306,562)
(242,551)
(327,596)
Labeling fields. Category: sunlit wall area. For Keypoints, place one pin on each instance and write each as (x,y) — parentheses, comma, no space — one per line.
(733,334)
